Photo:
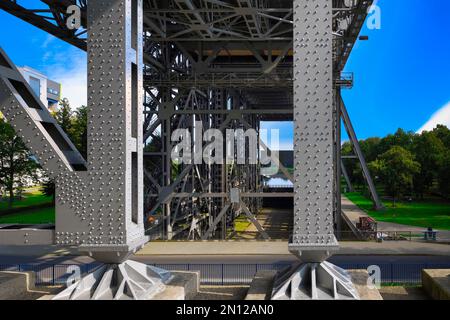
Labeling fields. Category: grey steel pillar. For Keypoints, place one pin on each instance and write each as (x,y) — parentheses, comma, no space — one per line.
(337,167)
(313,235)
(313,239)
(102,209)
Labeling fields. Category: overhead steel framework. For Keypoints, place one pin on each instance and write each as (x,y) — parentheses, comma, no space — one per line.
(200,64)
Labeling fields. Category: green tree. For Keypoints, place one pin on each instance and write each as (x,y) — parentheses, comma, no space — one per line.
(64,116)
(350,164)
(444,174)
(16,162)
(74,124)
(396,168)
(443,133)
(428,150)
(78,132)
(48,188)
(400,138)
(370,148)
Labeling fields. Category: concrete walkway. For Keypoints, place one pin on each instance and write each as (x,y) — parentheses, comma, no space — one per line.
(281,248)
(276,222)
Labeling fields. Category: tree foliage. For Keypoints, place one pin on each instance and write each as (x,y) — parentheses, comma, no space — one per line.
(431,150)
(16,162)
(396,169)
(428,150)
(74,124)
(48,188)
(64,116)
(78,132)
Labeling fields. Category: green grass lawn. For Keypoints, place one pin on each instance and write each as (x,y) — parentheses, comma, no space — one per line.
(241,224)
(34,216)
(419,213)
(31,197)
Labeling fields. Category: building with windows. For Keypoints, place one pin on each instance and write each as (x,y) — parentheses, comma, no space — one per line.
(48,91)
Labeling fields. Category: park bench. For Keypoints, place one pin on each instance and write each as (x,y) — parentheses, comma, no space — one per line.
(430,235)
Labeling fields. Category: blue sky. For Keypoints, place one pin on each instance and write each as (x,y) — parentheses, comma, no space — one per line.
(402,74)
(28,45)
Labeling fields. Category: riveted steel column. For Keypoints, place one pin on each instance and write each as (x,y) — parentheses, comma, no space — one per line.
(102,209)
(313,234)
(115,111)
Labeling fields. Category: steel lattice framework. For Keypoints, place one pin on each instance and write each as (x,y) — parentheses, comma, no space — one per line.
(224,64)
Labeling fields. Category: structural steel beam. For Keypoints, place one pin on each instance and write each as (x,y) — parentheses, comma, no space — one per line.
(313,237)
(99,210)
(346,177)
(313,234)
(34,124)
(204,61)
(56,13)
(357,148)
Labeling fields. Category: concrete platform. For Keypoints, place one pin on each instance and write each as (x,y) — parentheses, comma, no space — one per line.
(19,286)
(183,286)
(218,293)
(262,285)
(161,248)
(436,283)
(404,293)
(359,278)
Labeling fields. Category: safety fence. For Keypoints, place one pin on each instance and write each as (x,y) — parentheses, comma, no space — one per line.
(50,274)
(228,274)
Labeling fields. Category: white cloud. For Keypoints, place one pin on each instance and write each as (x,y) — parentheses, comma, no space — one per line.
(286,145)
(48,40)
(442,116)
(70,69)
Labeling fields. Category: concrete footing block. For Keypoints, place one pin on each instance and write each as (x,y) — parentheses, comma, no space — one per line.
(359,279)
(182,286)
(262,285)
(19,286)
(436,283)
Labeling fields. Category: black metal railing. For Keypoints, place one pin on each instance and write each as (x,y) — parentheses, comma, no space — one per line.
(228,274)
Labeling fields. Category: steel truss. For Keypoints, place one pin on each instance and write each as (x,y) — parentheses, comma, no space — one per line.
(225,64)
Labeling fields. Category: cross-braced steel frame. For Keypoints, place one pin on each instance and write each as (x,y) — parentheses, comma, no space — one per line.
(223,65)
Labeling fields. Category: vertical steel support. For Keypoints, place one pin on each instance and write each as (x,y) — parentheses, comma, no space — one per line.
(313,234)
(346,177)
(102,210)
(111,193)
(337,161)
(315,149)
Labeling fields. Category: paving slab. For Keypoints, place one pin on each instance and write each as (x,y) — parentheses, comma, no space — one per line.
(281,248)
(436,283)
